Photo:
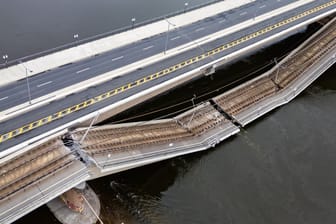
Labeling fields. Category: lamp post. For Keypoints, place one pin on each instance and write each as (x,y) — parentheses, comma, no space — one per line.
(276,75)
(5,57)
(167,35)
(76,36)
(185,6)
(133,21)
(166,44)
(27,81)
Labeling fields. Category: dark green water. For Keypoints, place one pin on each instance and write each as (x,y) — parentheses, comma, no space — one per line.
(279,169)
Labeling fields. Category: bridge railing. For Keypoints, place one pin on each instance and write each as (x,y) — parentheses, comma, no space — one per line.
(102,35)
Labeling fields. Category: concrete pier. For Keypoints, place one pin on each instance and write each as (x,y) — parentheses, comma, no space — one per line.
(87,216)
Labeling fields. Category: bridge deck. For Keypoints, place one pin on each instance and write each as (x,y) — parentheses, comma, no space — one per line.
(155,137)
(284,82)
(142,84)
(32,179)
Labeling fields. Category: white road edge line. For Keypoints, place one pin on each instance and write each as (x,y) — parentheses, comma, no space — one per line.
(118,58)
(3,98)
(83,70)
(43,84)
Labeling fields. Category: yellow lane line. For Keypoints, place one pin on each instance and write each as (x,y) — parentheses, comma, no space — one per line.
(109,94)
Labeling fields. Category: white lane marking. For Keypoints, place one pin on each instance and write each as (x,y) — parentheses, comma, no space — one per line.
(3,98)
(222,21)
(118,58)
(175,38)
(199,29)
(149,47)
(263,6)
(83,70)
(243,13)
(43,84)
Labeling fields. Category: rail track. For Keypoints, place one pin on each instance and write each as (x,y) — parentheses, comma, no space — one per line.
(243,97)
(201,119)
(126,138)
(111,139)
(235,101)
(303,59)
(24,170)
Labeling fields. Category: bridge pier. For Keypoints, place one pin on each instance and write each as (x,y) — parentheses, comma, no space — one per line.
(76,206)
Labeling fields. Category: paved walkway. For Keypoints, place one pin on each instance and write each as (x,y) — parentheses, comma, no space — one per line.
(41,64)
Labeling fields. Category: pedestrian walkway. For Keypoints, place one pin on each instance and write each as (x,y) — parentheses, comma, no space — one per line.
(54,60)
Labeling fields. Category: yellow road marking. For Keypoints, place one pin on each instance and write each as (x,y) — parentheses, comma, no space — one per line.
(109,94)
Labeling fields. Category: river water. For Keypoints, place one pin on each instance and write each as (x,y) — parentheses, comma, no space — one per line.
(279,169)
(32,26)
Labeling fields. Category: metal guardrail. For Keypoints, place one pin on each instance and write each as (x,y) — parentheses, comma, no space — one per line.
(102,35)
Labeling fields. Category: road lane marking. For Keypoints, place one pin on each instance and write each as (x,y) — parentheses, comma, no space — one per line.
(263,6)
(243,13)
(147,48)
(175,38)
(199,29)
(118,58)
(43,84)
(3,98)
(83,70)
(222,21)
(112,92)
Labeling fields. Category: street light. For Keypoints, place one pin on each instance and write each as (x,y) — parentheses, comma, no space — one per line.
(167,35)
(255,14)
(185,6)
(27,81)
(76,36)
(5,57)
(133,21)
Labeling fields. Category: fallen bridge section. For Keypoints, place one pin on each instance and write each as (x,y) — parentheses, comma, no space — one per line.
(124,146)
(285,81)
(32,179)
